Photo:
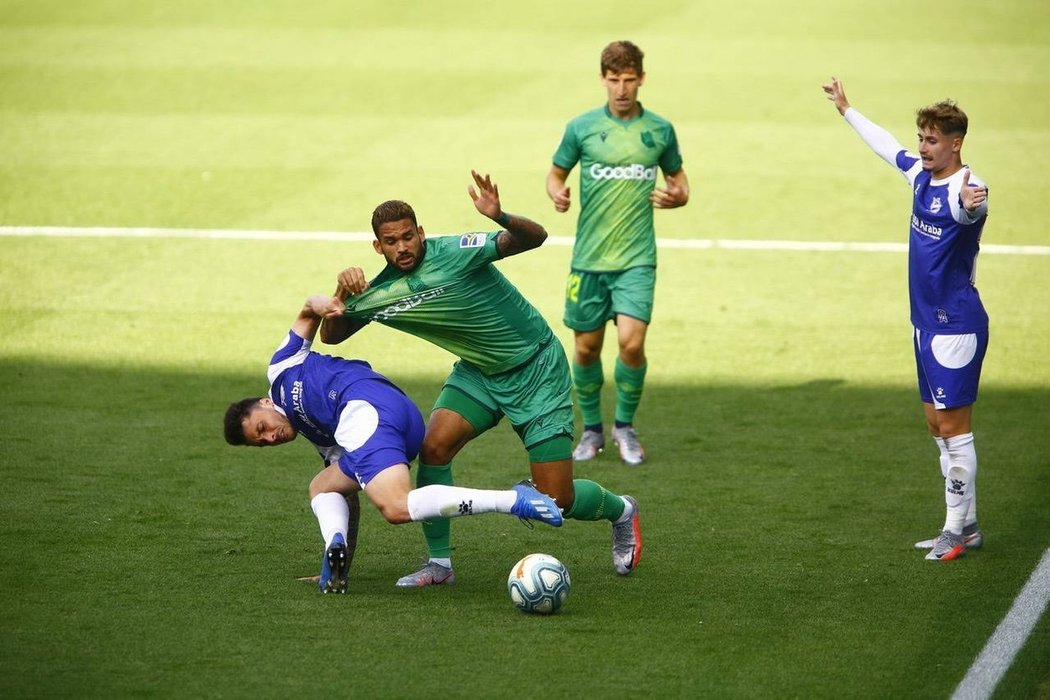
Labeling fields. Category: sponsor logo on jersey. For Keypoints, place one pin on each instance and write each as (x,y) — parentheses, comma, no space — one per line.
(928,230)
(935,205)
(472,240)
(297,404)
(634,171)
(332,395)
(406,304)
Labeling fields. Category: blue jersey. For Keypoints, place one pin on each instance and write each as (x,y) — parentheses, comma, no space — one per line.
(331,401)
(942,252)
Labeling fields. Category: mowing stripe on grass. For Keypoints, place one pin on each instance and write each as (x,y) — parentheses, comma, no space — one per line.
(1009,637)
(690,243)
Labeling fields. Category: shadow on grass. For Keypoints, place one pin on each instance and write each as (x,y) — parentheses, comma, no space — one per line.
(783,511)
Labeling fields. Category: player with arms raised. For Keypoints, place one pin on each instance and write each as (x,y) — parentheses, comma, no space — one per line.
(949,208)
(619,147)
(447,291)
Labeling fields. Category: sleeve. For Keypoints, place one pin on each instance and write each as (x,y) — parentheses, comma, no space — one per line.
(671,158)
(878,139)
(568,153)
(293,351)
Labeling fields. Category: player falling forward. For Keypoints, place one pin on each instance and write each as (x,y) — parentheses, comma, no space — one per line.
(447,291)
(619,147)
(368,432)
(949,208)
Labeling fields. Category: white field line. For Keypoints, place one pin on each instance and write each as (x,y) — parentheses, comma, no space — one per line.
(1009,637)
(690,243)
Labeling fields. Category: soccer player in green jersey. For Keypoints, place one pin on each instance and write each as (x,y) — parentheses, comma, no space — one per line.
(619,147)
(447,291)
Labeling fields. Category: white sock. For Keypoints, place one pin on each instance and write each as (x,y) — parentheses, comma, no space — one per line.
(943,447)
(332,515)
(958,484)
(439,501)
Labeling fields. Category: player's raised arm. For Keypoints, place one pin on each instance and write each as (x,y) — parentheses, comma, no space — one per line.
(520,234)
(557,190)
(676,194)
(837,95)
(314,309)
(885,144)
(335,328)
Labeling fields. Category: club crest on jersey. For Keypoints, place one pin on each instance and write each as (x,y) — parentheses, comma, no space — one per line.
(942,316)
(935,205)
(472,240)
(604,135)
(647,139)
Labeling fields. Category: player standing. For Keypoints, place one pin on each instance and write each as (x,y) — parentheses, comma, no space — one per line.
(619,147)
(447,291)
(368,431)
(949,208)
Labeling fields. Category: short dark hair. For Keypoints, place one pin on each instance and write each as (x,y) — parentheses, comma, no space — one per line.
(391,210)
(945,117)
(621,55)
(234,421)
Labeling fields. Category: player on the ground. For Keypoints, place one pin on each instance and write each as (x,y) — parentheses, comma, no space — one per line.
(447,291)
(368,432)
(949,208)
(619,147)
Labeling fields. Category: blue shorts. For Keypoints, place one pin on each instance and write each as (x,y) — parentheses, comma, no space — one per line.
(379,427)
(949,367)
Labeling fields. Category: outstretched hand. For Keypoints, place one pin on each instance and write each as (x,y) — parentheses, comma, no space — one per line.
(486,196)
(972,196)
(837,95)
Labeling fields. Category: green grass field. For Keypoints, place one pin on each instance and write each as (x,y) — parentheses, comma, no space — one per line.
(789,470)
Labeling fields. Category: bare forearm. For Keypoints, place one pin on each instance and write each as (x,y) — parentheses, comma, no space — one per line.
(519,234)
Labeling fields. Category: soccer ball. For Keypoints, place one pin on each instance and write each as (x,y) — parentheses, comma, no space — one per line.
(539,583)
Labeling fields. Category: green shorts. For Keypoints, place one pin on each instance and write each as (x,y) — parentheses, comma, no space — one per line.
(536,397)
(592,298)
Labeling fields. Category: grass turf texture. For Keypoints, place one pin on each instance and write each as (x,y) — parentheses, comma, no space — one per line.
(788,471)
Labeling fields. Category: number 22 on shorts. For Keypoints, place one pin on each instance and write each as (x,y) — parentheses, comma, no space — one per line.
(572,289)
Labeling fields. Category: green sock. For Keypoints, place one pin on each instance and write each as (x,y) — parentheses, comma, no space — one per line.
(629,383)
(437,531)
(588,381)
(594,502)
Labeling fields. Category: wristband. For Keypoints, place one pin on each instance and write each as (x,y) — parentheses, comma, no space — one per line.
(504,219)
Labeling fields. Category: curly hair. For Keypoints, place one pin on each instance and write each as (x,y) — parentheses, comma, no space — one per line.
(391,210)
(945,117)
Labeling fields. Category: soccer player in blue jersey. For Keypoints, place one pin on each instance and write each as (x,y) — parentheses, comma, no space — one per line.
(448,291)
(619,146)
(949,208)
(367,431)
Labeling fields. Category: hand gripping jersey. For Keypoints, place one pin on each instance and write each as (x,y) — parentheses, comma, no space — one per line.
(618,161)
(456,299)
(943,243)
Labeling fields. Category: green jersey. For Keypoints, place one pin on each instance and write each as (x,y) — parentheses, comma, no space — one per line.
(618,161)
(456,299)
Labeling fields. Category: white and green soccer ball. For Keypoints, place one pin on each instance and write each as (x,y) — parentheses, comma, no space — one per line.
(538,583)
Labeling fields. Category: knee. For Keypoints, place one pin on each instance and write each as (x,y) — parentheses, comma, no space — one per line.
(436,451)
(395,513)
(632,352)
